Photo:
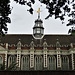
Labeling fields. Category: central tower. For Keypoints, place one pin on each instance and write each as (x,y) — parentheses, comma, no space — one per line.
(38,29)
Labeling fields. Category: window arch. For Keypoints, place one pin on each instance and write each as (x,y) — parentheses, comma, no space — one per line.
(11,59)
(65,63)
(1,61)
(38,63)
(51,63)
(25,63)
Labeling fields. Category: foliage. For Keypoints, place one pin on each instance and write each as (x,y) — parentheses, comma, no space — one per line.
(4,13)
(12,67)
(58,8)
(55,7)
(2,67)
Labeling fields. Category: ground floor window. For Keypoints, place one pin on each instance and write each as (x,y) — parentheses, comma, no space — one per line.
(38,63)
(25,63)
(51,63)
(1,61)
(11,60)
(65,63)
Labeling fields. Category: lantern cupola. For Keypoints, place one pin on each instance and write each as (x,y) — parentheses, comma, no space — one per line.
(38,29)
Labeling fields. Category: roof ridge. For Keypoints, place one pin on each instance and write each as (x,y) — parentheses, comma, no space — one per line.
(44,34)
(18,34)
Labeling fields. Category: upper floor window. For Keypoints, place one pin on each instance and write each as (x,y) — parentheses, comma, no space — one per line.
(65,63)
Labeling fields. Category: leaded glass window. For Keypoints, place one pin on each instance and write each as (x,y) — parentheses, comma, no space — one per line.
(51,63)
(11,60)
(65,63)
(25,63)
(38,63)
(1,61)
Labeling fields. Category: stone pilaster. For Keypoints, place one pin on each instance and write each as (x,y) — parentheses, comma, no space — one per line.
(6,45)
(58,60)
(45,54)
(6,60)
(45,59)
(32,55)
(19,59)
(72,57)
(32,60)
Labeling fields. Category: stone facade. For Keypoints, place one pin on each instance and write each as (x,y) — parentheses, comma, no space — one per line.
(38,56)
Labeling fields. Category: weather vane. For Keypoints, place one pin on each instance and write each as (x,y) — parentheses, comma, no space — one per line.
(38,13)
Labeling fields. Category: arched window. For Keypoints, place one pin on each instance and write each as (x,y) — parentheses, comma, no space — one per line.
(11,60)
(1,61)
(38,63)
(51,63)
(25,63)
(65,63)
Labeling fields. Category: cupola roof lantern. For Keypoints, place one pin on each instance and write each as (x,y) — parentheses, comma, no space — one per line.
(38,29)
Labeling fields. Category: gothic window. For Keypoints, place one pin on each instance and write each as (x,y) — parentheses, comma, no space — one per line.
(65,63)
(11,60)
(38,63)
(51,63)
(25,63)
(1,61)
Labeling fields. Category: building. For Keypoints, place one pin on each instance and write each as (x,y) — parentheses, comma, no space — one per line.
(38,51)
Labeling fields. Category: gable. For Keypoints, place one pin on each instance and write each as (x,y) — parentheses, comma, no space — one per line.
(1,48)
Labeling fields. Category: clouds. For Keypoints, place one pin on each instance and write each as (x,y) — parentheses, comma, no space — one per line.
(23,21)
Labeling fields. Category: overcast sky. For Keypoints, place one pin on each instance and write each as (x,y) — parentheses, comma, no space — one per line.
(22,21)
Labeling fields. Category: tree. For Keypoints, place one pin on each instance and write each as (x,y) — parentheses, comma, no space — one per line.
(58,8)
(72,21)
(4,13)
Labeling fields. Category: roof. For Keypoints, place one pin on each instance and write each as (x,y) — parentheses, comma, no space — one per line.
(27,38)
